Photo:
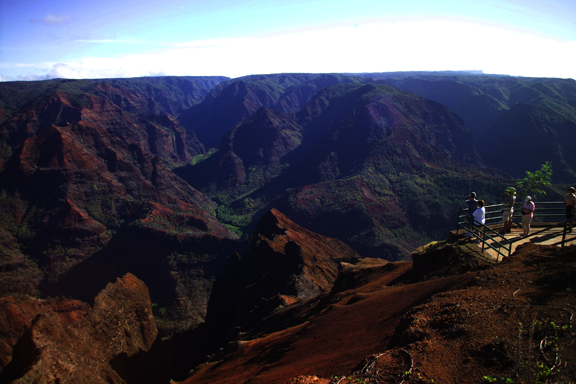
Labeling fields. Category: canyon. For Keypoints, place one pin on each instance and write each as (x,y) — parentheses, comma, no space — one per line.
(249,224)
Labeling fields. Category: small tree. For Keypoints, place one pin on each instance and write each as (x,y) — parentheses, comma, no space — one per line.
(535,182)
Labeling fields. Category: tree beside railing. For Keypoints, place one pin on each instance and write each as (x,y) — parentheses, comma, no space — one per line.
(535,182)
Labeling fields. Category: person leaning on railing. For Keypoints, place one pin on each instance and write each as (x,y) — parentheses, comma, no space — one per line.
(527,214)
(570,203)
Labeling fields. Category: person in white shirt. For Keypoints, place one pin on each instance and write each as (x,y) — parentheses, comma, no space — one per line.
(480,213)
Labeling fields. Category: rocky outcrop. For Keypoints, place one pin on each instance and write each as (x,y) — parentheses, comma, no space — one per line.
(18,314)
(86,162)
(286,263)
(68,342)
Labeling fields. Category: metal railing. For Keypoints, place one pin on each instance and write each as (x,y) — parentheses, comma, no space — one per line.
(546,212)
(548,215)
(486,235)
(562,224)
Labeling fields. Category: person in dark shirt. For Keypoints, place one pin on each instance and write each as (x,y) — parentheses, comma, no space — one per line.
(509,198)
(570,204)
(472,203)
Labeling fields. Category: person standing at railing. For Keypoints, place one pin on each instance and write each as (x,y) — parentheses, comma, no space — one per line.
(570,203)
(480,213)
(527,214)
(472,205)
(509,198)
(480,216)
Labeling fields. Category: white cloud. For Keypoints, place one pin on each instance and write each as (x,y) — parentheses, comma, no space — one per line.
(51,19)
(113,41)
(376,47)
(24,78)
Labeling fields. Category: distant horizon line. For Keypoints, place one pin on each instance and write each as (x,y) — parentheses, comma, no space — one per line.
(477,72)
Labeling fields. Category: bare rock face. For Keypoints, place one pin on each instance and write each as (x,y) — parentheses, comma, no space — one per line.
(18,314)
(122,316)
(77,348)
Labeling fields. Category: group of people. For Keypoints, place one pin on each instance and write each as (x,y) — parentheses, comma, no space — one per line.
(477,212)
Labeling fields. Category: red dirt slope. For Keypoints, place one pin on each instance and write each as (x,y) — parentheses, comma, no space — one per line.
(386,322)
(350,325)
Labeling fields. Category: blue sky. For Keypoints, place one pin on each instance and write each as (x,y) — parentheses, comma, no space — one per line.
(96,39)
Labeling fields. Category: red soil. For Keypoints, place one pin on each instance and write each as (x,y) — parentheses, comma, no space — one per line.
(510,321)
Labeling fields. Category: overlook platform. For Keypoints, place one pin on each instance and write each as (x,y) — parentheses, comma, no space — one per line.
(553,236)
(547,228)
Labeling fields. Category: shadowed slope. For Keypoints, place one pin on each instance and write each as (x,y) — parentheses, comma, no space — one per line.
(286,263)
(241,97)
(528,135)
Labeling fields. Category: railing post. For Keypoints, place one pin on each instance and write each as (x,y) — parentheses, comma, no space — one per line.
(483,238)
(458,222)
(564,235)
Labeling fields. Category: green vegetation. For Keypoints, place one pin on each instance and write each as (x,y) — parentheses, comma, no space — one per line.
(536,181)
(237,219)
(200,158)
(544,359)
(11,219)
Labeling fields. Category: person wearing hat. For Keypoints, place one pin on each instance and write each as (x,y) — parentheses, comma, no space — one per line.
(570,203)
(472,205)
(527,214)
(509,198)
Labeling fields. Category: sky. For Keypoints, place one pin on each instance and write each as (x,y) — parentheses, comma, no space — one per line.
(125,38)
